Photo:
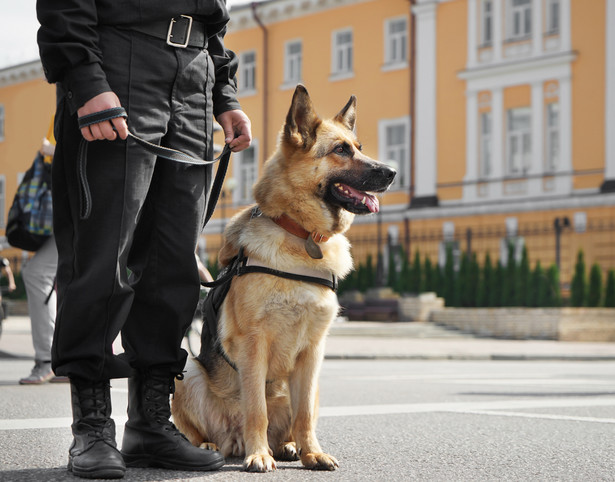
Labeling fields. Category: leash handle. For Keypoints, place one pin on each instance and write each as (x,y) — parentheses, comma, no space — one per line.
(160,151)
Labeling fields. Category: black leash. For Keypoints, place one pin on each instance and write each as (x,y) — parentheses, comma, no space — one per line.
(160,151)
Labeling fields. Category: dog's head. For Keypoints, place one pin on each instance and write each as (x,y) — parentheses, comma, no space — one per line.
(320,167)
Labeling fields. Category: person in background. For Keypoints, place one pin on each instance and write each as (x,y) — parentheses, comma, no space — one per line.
(39,275)
(4,263)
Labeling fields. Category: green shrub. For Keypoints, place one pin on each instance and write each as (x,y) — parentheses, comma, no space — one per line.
(594,295)
(609,290)
(578,287)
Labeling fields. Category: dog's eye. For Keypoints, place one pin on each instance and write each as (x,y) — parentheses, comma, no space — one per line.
(339,150)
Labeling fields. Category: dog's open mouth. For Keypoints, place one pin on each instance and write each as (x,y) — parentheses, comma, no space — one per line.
(353,200)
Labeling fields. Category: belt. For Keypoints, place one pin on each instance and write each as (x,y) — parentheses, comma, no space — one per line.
(181,31)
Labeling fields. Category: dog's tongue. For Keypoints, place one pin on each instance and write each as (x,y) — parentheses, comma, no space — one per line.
(369,200)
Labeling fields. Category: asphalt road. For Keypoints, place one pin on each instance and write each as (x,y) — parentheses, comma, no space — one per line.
(385,420)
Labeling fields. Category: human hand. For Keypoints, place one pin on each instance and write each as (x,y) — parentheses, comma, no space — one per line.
(103,130)
(12,287)
(237,129)
(47,148)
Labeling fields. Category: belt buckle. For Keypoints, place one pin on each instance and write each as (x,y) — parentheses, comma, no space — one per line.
(188,30)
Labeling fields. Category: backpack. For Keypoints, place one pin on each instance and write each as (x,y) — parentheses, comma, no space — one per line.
(30,221)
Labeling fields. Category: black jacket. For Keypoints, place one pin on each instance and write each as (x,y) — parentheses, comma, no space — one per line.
(68,42)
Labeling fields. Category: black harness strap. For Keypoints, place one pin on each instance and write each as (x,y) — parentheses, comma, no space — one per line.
(160,151)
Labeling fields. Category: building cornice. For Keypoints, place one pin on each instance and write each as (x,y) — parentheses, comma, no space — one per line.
(21,73)
(274,11)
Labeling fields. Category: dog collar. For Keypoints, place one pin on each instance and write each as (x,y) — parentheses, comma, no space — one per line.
(284,221)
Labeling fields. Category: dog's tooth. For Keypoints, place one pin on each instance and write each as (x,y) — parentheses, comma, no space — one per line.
(363,200)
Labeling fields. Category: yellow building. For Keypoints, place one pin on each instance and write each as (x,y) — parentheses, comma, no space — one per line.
(493,111)
(498,114)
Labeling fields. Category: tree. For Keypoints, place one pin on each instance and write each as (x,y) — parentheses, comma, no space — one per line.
(448,283)
(578,286)
(495,295)
(538,291)
(430,284)
(509,280)
(553,296)
(594,296)
(522,288)
(404,275)
(483,296)
(609,291)
(417,279)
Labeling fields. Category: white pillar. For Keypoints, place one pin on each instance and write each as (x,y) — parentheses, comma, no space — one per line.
(609,126)
(499,154)
(537,42)
(565,26)
(472,33)
(425,153)
(538,129)
(498,30)
(472,151)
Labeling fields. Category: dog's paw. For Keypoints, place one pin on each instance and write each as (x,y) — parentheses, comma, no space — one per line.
(259,463)
(287,452)
(319,461)
(209,446)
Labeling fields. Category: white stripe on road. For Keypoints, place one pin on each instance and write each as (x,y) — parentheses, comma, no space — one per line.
(507,407)
(542,415)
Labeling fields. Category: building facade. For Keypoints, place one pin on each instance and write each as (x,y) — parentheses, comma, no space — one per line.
(499,116)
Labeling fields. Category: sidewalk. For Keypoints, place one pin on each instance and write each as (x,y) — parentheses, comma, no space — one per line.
(382,340)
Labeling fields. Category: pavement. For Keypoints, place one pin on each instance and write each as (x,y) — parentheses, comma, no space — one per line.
(389,340)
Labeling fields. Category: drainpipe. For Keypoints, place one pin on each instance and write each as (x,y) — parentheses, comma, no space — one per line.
(411,66)
(265,148)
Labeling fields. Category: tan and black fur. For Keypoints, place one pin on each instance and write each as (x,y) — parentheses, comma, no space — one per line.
(274,329)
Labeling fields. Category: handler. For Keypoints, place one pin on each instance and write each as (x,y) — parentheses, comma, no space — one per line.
(166,64)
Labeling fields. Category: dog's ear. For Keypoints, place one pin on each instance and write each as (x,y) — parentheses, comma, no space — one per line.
(301,120)
(348,115)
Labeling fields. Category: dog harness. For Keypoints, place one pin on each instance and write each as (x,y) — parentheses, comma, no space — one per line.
(241,265)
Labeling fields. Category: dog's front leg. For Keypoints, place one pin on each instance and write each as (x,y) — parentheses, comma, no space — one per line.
(304,400)
(253,376)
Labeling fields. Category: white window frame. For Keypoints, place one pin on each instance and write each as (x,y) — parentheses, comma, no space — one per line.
(395,44)
(519,20)
(2,200)
(247,73)
(245,175)
(399,154)
(2,121)
(485,145)
(342,55)
(520,141)
(554,16)
(486,23)
(552,137)
(293,63)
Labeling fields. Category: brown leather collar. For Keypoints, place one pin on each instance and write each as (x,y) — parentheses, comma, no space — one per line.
(294,228)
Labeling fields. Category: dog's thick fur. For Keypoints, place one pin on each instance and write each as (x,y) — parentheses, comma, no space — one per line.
(273,329)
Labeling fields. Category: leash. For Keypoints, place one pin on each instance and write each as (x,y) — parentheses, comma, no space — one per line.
(160,151)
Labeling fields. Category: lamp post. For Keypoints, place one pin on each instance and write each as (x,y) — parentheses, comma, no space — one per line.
(559,224)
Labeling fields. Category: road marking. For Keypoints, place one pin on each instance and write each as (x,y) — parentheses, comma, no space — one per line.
(507,408)
(543,416)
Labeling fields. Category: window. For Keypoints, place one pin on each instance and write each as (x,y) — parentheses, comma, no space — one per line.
(247,165)
(485,145)
(396,41)
(341,58)
(293,59)
(2,200)
(486,22)
(553,16)
(519,141)
(394,141)
(552,137)
(520,19)
(247,72)
(1,122)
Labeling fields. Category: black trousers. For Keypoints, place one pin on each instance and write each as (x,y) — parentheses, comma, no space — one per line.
(130,266)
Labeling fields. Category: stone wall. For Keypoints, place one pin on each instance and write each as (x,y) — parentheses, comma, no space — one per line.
(564,324)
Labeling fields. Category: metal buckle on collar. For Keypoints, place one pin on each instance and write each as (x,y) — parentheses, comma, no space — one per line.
(185,20)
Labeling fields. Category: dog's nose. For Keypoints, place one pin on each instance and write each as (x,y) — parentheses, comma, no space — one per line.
(389,173)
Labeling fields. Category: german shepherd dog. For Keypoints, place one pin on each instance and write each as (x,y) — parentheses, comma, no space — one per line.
(257,396)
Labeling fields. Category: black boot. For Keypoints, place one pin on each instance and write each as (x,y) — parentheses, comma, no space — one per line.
(93,453)
(150,439)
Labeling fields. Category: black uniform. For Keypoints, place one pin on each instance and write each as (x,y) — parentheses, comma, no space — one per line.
(146,213)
